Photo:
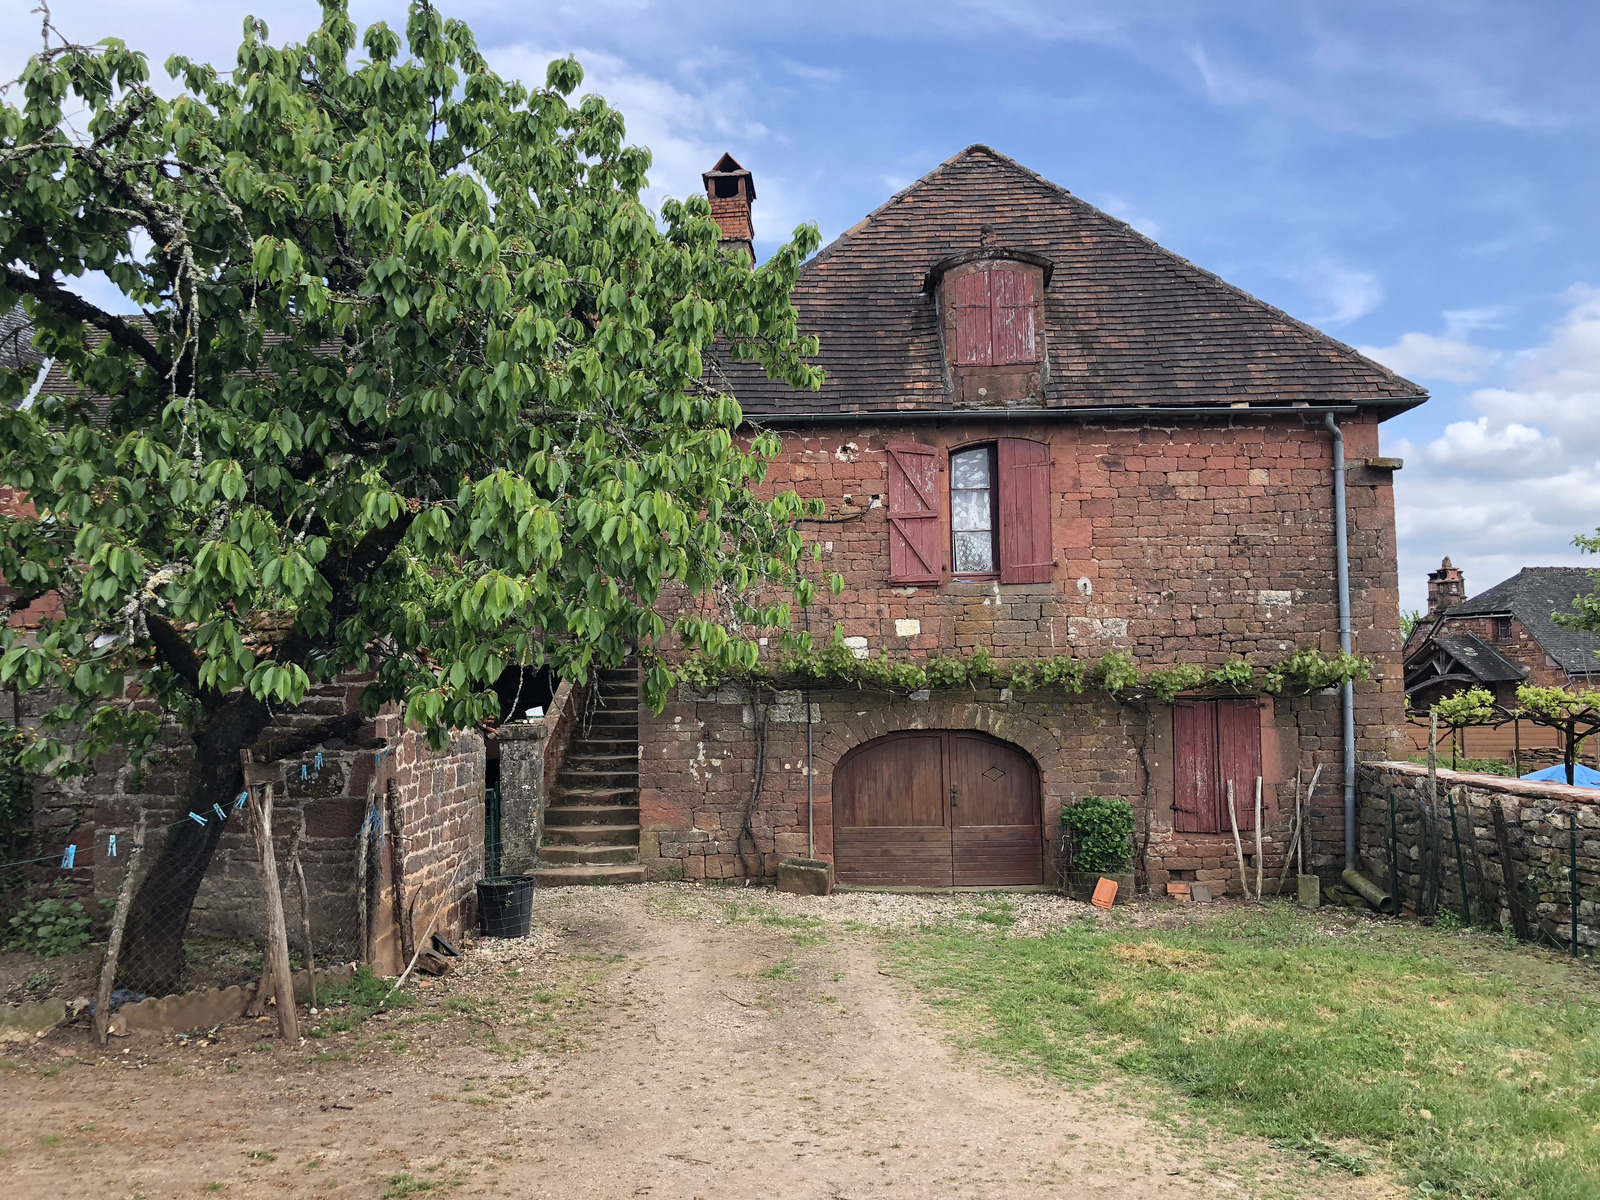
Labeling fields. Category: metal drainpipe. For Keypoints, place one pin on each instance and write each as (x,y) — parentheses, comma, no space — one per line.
(811,786)
(1347,693)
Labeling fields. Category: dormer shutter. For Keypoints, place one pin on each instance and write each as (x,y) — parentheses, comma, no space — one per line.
(1012,298)
(1026,553)
(970,297)
(916,529)
(994,319)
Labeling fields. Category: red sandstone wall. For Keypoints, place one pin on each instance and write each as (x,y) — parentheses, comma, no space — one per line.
(1196,543)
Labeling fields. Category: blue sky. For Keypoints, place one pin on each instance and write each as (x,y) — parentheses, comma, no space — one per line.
(1418,179)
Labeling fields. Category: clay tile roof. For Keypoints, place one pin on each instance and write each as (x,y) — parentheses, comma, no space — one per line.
(1127,322)
(1530,596)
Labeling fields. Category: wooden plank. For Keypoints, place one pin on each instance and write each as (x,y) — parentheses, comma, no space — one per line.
(999,855)
(916,529)
(971,302)
(1239,752)
(1195,803)
(1026,554)
(1012,309)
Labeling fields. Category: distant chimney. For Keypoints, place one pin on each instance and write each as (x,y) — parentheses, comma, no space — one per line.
(731,189)
(1446,588)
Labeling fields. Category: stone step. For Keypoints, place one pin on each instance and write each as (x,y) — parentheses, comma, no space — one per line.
(587,855)
(605,873)
(591,835)
(564,797)
(602,761)
(567,815)
(580,778)
(609,723)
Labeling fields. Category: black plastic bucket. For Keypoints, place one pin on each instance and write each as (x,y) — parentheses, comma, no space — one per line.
(505,905)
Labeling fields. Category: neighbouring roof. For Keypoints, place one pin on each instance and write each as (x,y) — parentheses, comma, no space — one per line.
(1127,323)
(1474,654)
(1531,596)
(16,342)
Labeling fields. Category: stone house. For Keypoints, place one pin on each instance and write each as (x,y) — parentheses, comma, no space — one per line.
(1498,640)
(1041,435)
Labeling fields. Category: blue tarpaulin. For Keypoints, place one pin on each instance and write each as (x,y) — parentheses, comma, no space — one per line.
(1582,776)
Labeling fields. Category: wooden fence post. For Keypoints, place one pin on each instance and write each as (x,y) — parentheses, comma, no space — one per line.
(119,923)
(277,950)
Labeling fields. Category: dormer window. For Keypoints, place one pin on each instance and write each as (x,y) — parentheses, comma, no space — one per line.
(991,326)
(994,319)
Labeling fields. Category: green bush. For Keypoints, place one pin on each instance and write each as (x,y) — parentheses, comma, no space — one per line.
(49,927)
(1102,834)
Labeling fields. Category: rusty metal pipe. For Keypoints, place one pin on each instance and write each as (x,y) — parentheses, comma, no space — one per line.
(1370,892)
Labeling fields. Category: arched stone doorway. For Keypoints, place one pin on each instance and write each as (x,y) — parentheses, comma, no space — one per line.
(937,808)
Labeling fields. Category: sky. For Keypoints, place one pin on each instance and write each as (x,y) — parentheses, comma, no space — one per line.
(1418,179)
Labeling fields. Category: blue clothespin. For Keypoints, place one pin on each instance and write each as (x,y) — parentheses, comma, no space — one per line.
(197,818)
(318,760)
(238,804)
(111,846)
(66,859)
(303,772)
(217,808)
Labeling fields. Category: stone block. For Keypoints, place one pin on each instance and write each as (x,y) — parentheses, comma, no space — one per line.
(28,1020)
(1200,893)
(805,877)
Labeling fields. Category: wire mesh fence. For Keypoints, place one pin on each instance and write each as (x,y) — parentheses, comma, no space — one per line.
(182,901)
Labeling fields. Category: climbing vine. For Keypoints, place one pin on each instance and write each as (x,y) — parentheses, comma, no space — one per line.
(1117,673)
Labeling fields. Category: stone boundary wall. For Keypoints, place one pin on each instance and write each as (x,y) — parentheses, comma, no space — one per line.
(1540,821)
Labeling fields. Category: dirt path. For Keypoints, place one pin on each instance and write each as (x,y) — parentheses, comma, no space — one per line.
(642,1045)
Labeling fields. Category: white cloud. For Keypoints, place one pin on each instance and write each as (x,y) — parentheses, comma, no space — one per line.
(1342,292)
(1510,487)
(1124,211)
(1423,356)
(687,124)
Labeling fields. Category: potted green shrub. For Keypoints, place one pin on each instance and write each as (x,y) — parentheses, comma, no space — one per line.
(1101,832)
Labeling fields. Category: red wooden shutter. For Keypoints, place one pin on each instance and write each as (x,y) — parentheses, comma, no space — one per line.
(1024,481)
(970,299)
(1238,757)
(916,531)
(1194,767)
(1012,306)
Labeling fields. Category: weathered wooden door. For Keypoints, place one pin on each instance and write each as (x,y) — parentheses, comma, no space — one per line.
(995,833)
(935,808)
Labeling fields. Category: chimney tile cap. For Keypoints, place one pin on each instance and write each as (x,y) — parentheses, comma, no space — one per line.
(728,167)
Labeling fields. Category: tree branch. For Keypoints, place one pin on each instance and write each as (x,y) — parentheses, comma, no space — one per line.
(121,331)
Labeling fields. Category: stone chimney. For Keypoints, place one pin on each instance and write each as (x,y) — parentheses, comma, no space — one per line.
(731,190)
(1446,587)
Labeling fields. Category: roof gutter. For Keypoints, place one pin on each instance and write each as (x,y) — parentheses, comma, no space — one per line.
(1075,412)
(1347,694)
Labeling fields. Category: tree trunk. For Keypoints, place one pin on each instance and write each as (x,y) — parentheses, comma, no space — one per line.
(152,959)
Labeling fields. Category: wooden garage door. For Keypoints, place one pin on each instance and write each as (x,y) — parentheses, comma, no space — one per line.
(937,808)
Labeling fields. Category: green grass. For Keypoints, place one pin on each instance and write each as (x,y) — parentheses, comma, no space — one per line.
(346,1005)
(1467,1067)
(405,1184)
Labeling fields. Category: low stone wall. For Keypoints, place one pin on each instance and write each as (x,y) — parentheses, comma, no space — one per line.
(1517,842)
(437,840)
(530,755)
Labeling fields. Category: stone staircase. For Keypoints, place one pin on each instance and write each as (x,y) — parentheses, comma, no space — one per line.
(591,820)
